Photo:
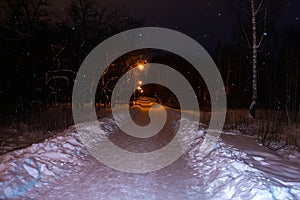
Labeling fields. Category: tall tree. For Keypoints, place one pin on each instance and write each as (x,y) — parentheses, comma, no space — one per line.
(255,22)
(87,23)
(23,33)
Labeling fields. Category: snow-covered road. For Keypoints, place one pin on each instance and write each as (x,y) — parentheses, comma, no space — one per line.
(62,168)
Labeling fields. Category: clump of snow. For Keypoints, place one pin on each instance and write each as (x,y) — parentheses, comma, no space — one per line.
(290,153)
(39,164)
(227,173)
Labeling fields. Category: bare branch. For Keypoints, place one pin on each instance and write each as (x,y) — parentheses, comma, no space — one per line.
(259,7)
(264,29)
(35,10)
(15,31)
(246,36)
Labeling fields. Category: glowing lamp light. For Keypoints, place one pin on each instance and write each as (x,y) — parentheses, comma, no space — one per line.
(141,67)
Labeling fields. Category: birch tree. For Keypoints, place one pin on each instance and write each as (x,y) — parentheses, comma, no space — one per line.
(256,44)
(255,16)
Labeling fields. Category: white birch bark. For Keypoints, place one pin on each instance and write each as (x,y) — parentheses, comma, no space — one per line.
(254,58)
(255,47)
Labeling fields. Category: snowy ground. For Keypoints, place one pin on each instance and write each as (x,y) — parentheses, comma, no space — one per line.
(237,168)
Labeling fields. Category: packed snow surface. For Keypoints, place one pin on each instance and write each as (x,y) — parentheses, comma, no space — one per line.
(237,168)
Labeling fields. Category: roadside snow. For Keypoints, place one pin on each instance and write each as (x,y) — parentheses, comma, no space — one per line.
(35,166)
(228,173)
(237,168)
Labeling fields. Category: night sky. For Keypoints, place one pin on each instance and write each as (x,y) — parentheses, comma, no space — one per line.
(205,21)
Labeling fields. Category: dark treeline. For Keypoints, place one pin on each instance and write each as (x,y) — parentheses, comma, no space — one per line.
(41,52)
(278,72)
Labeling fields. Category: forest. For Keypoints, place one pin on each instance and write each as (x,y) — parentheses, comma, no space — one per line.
(42,48)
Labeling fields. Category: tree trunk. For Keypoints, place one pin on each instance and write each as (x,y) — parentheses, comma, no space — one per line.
(254,61)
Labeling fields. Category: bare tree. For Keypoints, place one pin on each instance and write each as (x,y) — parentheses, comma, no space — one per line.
(87,23)
(25,17)
(255,20)
(256,7)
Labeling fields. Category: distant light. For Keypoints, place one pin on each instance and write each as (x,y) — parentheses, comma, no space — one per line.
(297,18)
(73,28)
(141,67)
(140,82)
(139,88)
(265,34)
(219,14)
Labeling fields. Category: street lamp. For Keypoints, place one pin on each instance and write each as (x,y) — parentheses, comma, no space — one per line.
(141,67)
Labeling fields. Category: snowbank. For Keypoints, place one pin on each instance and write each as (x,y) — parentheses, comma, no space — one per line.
(228,173)
(237,168)
(39,164)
